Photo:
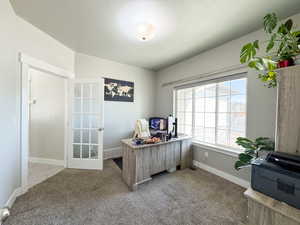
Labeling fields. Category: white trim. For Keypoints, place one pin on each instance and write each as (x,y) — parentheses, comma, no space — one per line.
(100,146)
(67,123)
(24,120)
(47,161)
(40,65)
(110,153)
(215,148)
(17,192)
(27,62)
(229,177)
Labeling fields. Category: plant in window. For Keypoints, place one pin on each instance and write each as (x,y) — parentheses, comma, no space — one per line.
(252,150)
(282,47)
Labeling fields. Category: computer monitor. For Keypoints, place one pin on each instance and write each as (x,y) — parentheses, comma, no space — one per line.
(158,123)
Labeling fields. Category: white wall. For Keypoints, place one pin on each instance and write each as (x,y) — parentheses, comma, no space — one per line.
(17,36)
(120,117)
(261,102)
(47,115)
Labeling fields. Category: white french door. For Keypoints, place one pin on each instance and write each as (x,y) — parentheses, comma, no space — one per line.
(86,135)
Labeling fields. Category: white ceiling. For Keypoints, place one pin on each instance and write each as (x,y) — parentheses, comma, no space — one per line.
(184,28)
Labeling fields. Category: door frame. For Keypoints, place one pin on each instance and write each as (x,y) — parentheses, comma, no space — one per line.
(27,63)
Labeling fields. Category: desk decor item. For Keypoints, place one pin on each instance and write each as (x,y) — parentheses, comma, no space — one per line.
(118,90)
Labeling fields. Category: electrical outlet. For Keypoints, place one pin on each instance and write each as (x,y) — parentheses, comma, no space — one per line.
(206,154)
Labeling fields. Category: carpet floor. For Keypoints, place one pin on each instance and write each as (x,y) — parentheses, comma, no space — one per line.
(81,197)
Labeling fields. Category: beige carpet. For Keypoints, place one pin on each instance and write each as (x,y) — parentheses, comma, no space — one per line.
(39,172)
(79,197)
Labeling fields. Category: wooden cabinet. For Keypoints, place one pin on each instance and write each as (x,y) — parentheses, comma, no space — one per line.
(264,210)
(288,111)
(141,162)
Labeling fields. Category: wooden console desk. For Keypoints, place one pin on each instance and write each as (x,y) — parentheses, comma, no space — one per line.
(142,161)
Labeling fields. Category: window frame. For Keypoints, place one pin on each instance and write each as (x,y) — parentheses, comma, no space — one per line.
(215,146)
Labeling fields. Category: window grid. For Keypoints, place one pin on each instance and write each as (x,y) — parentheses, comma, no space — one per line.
(227,129)
(229,115)
(184,97)
(216,113)
(193,112)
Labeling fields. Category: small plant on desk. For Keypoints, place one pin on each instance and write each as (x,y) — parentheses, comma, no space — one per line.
(252,150)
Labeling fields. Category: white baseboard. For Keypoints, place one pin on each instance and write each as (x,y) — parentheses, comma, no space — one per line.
(47,161)
(111,153)
(227,176)
(17,192)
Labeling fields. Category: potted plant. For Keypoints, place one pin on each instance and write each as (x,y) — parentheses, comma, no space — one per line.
(281,49)
(253,150)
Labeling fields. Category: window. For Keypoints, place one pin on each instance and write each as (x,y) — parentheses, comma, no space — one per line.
(213,113)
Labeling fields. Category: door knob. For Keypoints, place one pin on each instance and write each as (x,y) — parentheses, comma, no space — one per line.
(101,129)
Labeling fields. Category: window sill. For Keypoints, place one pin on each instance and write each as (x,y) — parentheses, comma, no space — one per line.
(219,149)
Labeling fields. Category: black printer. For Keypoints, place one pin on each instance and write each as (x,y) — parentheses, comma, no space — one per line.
(278,176)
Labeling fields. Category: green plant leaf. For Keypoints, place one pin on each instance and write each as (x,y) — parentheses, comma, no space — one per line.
(256,63)
(282,29)
(289,24)
(283,40)
(245,158)
(256,44)
(281,47)
(245,143)
(248,51)
(250,152)
(269,64)
(265,143)
(261,139)
(296,33)
(270,22)
(269,78)
(270,45)
(271,42)
(239,165)
(243,139)
(252,149)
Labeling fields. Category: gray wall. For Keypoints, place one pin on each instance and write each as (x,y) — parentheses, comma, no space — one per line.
(261,101)
(19,36)
(120,117)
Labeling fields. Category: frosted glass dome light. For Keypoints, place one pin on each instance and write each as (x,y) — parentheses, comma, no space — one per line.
(145,31)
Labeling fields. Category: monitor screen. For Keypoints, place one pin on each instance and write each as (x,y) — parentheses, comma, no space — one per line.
(158,123)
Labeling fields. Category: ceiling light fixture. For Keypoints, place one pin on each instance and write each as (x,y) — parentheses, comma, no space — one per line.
(145,31)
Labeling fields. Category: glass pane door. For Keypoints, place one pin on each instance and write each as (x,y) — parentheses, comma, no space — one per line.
(87,105)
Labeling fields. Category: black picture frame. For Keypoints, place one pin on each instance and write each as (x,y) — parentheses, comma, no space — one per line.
(118,90)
